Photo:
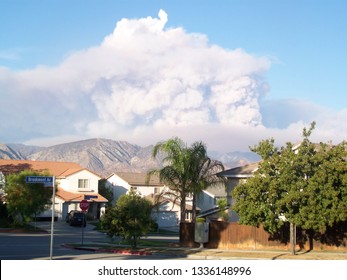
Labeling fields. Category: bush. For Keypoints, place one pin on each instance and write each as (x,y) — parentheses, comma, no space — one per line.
(200,220)
(130,218)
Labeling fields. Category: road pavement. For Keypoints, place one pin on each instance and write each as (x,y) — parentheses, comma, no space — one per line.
(87,243)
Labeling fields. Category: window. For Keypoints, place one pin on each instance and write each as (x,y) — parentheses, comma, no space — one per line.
(83,184)
(188,215)
(156,190)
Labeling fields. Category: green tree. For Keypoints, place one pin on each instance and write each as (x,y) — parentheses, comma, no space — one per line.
(130,218)
(203,171)
(25,200)
(325,201)
(187,170)
(304,186)
(175,173)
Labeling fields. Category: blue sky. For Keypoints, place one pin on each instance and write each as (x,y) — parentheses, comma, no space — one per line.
(289,55)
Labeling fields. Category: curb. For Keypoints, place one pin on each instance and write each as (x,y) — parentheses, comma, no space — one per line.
(114,251)
(184,254)
(124,252)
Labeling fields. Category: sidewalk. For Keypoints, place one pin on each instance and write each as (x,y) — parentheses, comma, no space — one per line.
(212,254)
(174,249)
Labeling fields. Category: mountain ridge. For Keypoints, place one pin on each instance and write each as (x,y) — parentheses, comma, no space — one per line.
(107,156)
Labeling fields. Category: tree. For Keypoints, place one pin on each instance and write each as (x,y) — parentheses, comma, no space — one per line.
(175,173)
(187,170)
(130,218)
(25,200)
(325,201)
(304,186)
(203,171)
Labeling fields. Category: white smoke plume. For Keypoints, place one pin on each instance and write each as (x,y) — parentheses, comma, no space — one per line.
(145,82)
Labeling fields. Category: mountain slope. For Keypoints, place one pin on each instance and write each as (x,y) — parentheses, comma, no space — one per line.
(234,159)
(24,150)
(102,156)
(105,156)
(6,152)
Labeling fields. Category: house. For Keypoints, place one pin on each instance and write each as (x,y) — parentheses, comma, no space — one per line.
(2,184)
(208,199)
(234,176)
(166,211)
(215,214)
(74,184)
(123,182)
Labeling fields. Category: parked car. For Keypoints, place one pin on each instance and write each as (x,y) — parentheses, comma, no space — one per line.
(76,218)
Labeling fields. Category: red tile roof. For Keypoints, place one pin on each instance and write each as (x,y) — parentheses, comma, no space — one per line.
(58,169)
(71,196)
(55,168)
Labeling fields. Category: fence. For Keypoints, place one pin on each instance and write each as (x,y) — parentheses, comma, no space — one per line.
(224,235)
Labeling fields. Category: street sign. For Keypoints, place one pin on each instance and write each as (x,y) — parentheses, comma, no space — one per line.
(46,180)
(84,204)
(89,197)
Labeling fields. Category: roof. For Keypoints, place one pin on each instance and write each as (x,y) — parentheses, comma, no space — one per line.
(161,200)
(153,198)
(139,179)
(71,196)
(217,190)
(245,171)
(55,168)
(211,212)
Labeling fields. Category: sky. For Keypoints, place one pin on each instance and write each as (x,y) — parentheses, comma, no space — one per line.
(228,73)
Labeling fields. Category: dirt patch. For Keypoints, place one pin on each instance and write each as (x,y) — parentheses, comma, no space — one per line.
(272,255)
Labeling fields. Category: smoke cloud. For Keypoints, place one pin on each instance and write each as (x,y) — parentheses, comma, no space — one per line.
(143,83)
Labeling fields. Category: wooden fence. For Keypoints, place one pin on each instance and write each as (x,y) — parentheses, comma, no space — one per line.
(235,236)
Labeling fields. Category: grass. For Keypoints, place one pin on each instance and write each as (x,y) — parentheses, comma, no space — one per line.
(150,243)
(164,232)
(140,242)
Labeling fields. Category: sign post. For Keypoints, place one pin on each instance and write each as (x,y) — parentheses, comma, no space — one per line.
(52,224)
(48,181)
(84,205)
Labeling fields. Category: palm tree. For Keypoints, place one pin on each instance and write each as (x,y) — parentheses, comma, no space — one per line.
(176,168)
(203,171)
(187,170)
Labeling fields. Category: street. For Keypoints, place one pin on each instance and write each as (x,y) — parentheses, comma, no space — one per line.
(25,246)
(36,246)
